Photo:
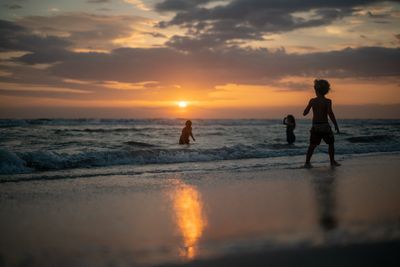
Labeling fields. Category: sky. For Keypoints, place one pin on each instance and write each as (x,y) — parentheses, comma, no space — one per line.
(223,58)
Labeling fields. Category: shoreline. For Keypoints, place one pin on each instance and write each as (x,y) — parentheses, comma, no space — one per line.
(205,218)
(248,164)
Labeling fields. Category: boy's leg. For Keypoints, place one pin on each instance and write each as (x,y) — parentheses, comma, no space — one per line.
(310,152)
(330,140)
(332,155)
(315,140)
(332,152)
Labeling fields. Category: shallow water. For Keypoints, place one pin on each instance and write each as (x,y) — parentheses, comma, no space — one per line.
(30,146)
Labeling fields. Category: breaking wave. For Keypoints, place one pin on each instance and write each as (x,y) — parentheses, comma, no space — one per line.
(23,162)
(370,139)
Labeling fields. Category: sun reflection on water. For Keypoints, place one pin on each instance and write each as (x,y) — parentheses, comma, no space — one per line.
(188,209)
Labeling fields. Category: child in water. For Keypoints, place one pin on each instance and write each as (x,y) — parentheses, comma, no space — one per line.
(186,132)
(290,123)
(322,108)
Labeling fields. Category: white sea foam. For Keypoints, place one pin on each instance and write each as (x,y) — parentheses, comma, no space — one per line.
(11,163)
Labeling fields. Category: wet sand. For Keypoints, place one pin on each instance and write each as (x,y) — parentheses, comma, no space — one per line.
(346,216)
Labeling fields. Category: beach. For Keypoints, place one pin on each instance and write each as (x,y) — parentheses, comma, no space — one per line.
(345,216)
(199,133)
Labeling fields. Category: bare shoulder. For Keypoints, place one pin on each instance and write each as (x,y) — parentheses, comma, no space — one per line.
(328,100)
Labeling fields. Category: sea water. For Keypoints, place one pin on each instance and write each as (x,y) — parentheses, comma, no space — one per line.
(51,148)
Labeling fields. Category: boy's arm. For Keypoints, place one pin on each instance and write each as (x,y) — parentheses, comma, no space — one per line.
(191,134)
(308,108)
(332,117)
(284,120)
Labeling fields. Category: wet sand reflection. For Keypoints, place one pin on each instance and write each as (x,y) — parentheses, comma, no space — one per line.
(324,184)
(190,219)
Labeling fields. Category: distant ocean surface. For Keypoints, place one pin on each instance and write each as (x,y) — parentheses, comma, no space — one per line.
(54,145)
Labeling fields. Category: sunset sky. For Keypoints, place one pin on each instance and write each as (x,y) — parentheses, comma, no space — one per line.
(225,58)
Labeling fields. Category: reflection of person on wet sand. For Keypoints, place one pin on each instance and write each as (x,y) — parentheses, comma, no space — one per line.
(186,133)
(325,196)
(322,108)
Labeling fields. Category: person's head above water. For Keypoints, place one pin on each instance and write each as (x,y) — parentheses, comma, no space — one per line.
(188,123)
(290,118)
(321,87)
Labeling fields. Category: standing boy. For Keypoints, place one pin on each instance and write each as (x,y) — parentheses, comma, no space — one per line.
(322,108)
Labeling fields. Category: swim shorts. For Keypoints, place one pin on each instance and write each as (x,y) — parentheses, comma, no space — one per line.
(319,132)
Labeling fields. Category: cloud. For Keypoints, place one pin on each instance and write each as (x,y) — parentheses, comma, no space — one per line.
(249,19)
(84,30)
(138,3)
(13,6)
(210,68)
(198,68)
(98,1)
(104,9)
(180,5)
(17,38)
(155,34)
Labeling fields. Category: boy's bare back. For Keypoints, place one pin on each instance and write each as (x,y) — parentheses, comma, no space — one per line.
(320,107)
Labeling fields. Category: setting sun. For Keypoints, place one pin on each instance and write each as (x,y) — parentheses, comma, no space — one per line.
(182,104)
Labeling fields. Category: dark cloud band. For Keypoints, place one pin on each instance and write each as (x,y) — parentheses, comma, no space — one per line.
(251,19)
(205,67)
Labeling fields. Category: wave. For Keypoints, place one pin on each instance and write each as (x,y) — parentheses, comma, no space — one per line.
(11,163)
(370,139)
(4,123)
(138,144)
(23,162)
(138,153)
(98,130)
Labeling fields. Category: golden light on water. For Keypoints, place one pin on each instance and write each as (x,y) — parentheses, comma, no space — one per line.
(188,208)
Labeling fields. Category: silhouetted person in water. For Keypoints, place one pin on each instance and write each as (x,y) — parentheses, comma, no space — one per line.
(290,123)
(322,108)
(186,133)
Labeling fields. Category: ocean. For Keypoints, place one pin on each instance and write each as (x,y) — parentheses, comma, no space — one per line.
(67,148)
(124,193)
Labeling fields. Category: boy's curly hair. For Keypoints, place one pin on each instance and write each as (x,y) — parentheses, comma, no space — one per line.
(322,87)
